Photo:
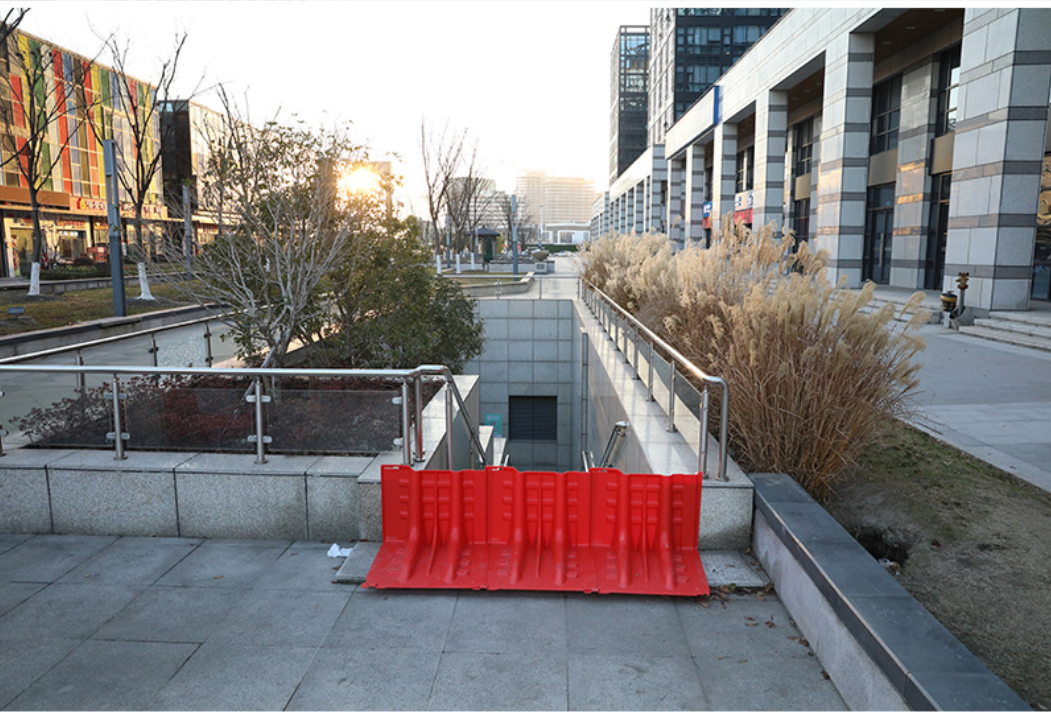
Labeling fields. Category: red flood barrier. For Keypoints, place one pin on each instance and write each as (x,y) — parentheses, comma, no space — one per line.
(600,531)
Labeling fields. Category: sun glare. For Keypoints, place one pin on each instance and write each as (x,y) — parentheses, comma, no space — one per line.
(359,180)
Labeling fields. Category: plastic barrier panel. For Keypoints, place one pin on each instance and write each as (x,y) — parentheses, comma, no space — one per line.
(435,529)
(599,531)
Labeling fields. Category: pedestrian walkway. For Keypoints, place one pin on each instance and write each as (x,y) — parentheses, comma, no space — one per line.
(990,399)
(154,623)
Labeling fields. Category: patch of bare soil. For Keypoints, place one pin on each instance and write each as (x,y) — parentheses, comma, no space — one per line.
(968,541)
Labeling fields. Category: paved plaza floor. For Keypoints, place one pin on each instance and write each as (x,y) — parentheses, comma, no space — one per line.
(990,399)
(91,622)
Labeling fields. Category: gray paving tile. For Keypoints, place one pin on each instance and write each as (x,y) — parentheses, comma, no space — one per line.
(175,614)
(631,625)
(215,678)
(282,618)
(356,679)
(10,541)
(116,675)
(742,627)
(303,566)
(501,681)
(46,558)
(225,562)
(417,620)
(766,682)
(11,594)
(632,682)
(508,621)
(66,611)
(132,560)
(23,661)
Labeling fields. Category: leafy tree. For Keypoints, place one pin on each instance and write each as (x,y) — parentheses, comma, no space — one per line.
(394,312)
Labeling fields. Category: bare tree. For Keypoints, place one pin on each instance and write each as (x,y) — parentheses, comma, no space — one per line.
(284,225)
(11,21)
(138,133)
(48,106)
(520,217)
(471,198)
(443,155)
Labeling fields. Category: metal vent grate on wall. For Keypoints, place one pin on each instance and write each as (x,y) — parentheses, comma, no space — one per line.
(533,418)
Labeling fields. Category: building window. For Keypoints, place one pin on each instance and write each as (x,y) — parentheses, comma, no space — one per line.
(948,91)
(532,418)
(934,269)
(879,234)
(886,108)
(745,170)
(801,220)
(802,147)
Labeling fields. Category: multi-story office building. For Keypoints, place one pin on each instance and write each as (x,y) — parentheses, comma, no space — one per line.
(555,200)
(76,102)
(189,130)
(629,77)
(690,48)
(911,144)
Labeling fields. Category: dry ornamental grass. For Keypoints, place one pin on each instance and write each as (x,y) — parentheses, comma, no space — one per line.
(811,372)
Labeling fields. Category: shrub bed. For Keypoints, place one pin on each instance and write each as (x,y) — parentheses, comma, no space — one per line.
(209,414)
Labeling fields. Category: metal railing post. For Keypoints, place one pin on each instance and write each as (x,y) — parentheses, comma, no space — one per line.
(406,433)
(260,439)
(649,380)
(585,345)
(81,379)
(671,398)
(418,386)
(635,353)
(449,423)
(118,428)
(702,452)
(724,427)
(208,358)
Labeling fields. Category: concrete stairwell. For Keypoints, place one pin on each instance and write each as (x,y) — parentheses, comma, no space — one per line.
(1030,328)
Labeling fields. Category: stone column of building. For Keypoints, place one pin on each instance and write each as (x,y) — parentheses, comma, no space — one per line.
(629,209)
(771,136)
(1005,81)
(639,197)
(656,201)
(694,193)
(912,192)
(647,207)
(724,180)
(843,179)
(676,198)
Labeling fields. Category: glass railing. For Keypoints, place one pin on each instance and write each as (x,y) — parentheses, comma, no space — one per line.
(50,403)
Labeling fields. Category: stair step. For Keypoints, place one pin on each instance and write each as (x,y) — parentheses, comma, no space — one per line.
(1007,337)
(1041,319)
(876,304)
(1016,326)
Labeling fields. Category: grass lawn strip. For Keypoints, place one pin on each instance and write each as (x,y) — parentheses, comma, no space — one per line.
(973,543)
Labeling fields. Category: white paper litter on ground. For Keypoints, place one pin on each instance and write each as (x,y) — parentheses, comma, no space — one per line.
(335,552)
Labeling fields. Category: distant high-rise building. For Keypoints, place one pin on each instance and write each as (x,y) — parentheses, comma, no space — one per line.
(629,74)
(689,49)
(551,200)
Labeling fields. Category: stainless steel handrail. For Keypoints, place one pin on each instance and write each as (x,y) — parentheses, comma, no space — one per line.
(617,438)
(689,367)
(109,339)
(405,375)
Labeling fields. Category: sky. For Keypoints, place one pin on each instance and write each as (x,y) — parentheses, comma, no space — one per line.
(528,79)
